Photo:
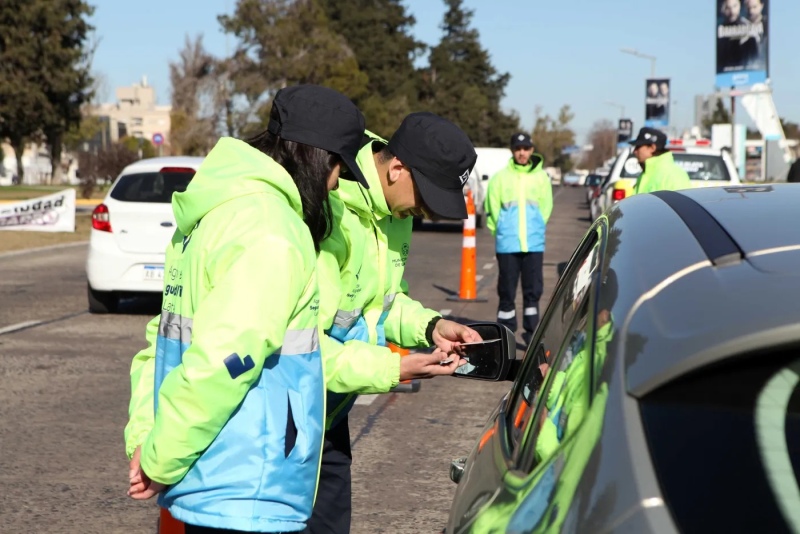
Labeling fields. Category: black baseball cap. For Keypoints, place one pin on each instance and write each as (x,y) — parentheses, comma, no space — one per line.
(440,156)
(323,118)
(521,139)
(650,136)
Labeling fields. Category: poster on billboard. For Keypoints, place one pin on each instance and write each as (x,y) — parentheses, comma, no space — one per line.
(742,47)
(624,131)
(656,109)
(51,213)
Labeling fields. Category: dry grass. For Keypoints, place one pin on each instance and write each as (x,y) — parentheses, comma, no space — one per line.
(15,240)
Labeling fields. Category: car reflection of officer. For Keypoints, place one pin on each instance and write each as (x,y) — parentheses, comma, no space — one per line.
(568,398)
(660,171)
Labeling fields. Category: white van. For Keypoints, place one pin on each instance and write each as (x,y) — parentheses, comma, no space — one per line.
(490,162)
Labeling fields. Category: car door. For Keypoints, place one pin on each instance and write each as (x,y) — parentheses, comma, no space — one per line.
(497,474)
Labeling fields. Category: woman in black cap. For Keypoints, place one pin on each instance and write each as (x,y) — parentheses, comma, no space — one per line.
(227,408)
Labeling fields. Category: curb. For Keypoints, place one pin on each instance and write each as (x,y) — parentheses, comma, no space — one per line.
(13,253)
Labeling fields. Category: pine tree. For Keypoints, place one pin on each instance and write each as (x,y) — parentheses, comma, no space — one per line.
(378,33)
(44,71)
(462,85)
(286,42)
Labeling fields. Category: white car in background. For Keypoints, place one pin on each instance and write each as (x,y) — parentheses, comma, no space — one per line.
(132,228)
(490,162)
(706,167)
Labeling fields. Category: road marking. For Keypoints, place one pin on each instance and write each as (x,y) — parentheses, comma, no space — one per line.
(488,266)
(366,400)
(445,312)
(41,249)
(18,326)
(478,277)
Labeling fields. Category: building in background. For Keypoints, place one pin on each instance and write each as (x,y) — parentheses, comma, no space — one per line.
(135,114)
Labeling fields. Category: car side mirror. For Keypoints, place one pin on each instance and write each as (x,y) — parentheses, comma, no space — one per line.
(561,267)
(490,360)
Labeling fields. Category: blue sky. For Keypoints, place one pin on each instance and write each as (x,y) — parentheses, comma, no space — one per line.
(557,51)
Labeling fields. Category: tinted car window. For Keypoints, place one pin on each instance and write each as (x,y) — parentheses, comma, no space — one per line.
(554,333)
(703,167)
(725,443)
(150,186)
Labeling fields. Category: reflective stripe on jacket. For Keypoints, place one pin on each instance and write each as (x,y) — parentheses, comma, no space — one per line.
(361,270)
(518,204)
(236,423)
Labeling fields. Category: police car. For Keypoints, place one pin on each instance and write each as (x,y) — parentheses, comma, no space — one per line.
(706,167)
(131,230)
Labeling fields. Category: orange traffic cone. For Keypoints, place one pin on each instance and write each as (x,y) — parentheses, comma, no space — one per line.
(168,524)
(405,386)
(468,291)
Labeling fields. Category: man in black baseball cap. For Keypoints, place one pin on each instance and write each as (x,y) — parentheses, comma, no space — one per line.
(519,202)
(650,136)
(660,171)
(322,118)
(440,157)
(521,140)
(420,171)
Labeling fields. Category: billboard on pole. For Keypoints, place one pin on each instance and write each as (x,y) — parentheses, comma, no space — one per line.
(656,109)
(742,42)
(624,131)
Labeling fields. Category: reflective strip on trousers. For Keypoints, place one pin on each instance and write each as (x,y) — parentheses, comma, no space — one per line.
(503,315)
(531,311)
(174,326)
(346,319)
(299,342)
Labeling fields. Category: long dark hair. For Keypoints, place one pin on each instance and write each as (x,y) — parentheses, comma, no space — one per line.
(309,167)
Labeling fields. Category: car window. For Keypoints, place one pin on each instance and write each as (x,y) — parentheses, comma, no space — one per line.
(704,167)
(151,186)
(554,337)
(737,423)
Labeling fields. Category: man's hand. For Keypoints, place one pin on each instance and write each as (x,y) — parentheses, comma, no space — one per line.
(448,334)
(421,365)
(142,487)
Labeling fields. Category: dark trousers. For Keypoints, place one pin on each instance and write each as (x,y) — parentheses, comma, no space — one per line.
(528,266)
(333,507)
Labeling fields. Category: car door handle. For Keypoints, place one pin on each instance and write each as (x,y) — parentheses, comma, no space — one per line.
(457,469)
(166,224)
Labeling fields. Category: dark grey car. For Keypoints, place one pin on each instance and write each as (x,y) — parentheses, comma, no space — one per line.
(660,392)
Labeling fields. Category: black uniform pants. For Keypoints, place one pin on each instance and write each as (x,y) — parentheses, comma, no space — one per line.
(528,266)
(333,507)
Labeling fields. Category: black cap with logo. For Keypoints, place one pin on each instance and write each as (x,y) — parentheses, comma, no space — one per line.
(440,156)
(521,139)
(650,136)
(323,118)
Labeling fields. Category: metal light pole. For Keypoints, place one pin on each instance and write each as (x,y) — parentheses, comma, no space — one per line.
(636,53)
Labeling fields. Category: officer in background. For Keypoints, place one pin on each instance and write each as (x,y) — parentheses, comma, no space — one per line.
(518,204)
(660,170)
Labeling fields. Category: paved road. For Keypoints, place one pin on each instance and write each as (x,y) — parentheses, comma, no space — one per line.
(64,390)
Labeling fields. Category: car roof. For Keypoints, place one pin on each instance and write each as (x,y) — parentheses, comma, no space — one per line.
(156,164)
(708,273)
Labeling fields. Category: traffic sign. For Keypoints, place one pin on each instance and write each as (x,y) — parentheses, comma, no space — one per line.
(158,139)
